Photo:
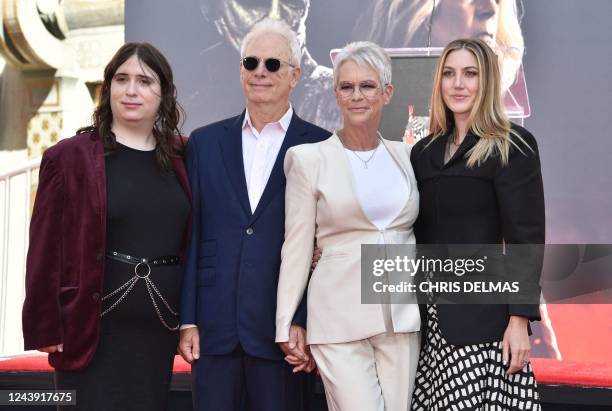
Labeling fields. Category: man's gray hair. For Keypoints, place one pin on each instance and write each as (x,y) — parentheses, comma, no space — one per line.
(365,52)
(269,25)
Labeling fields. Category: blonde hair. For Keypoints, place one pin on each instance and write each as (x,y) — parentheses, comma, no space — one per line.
(487,119)
(509,41)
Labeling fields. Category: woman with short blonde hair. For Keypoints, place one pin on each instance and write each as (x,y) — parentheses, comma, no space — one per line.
(354,188)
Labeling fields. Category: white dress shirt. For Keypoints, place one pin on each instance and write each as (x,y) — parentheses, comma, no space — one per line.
(259,152)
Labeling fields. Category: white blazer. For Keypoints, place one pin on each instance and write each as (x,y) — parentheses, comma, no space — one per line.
(321,202)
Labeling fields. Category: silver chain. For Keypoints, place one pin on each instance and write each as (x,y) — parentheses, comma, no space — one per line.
(150,285)
(365,162)
(131,282)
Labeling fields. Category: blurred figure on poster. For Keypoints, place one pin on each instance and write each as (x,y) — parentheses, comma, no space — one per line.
(480,182)
(434,23)
(313,97)
(108,230)
(354,188)
(231,271)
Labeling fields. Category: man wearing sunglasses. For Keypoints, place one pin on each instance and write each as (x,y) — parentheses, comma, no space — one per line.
(313,98)
(231,270)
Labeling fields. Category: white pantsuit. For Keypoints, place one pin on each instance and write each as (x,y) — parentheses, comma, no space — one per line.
(369,348)
(373,374)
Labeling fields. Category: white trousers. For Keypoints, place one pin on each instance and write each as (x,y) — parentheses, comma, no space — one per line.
(375,374)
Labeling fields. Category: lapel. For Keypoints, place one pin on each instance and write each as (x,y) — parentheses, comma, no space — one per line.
(178,165)
(438,148)
(97,159)
(347,186)
(468,142)
(392,149)
(181,175)
(295,135)
(231,150)
(407,174)
(345,174)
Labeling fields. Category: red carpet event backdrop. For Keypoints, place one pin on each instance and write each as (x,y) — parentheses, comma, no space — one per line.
(555,61)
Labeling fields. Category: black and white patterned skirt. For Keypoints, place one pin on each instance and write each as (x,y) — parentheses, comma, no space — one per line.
(470,377)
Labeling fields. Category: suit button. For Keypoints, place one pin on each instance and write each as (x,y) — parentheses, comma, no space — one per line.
(99,257)
(95,297)
(249,231)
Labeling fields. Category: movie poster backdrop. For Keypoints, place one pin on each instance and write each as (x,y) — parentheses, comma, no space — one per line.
(556,81)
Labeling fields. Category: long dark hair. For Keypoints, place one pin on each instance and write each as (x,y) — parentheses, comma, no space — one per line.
(166,129)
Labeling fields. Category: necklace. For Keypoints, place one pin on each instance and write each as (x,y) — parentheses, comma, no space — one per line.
(365,162)
(451,147)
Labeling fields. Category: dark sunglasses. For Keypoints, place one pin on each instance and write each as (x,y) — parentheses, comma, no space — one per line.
(272,64)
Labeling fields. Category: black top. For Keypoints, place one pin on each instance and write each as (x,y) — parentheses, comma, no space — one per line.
(147,211)
(485,204)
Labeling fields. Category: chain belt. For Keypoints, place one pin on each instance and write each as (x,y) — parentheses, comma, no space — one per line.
(142,271)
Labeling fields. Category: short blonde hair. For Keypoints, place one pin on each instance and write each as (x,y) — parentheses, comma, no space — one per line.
(365,52)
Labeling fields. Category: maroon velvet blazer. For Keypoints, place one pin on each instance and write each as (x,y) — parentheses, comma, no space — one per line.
(65,262)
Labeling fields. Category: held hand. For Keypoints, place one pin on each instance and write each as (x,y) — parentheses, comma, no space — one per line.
(296,345)
(52,348)
(516,344)
(295,348)
(189,344)
(301,365)
(311,365)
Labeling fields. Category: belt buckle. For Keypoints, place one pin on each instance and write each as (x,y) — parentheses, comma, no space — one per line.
(143,263)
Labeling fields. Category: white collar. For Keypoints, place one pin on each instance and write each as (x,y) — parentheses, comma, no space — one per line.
(284,121)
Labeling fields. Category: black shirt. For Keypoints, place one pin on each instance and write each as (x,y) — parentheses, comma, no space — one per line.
(147,211)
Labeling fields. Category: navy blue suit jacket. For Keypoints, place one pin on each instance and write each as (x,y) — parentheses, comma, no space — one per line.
(233,261)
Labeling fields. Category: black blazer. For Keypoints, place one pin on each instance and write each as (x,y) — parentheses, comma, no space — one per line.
(486,204)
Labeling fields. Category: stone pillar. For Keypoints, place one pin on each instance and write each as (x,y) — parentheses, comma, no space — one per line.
(55,53)
(81,14)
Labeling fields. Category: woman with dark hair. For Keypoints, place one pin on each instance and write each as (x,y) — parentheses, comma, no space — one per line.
(107,235)
(480,183)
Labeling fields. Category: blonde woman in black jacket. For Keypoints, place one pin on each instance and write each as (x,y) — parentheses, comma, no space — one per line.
(480,182)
